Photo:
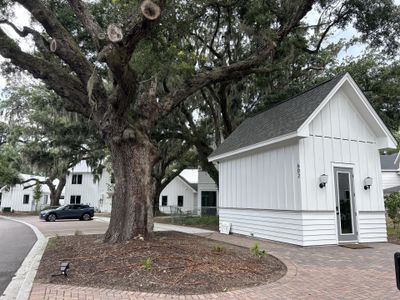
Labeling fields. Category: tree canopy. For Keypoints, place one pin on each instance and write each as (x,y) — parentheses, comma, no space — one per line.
(128,66)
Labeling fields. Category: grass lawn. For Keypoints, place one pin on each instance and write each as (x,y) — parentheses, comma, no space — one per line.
(205,222)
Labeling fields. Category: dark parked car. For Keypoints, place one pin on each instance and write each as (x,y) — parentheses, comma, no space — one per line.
(70,211)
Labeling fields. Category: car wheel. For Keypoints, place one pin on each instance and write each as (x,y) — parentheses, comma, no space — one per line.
(85,217)
(51,218)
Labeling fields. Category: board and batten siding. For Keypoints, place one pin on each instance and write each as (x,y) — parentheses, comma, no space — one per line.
(15,195)
(90,191)
(259,194)
(206,184)
(263,180)
(174,189)
(339,136)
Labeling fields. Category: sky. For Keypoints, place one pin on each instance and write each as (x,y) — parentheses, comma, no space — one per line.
(22,18)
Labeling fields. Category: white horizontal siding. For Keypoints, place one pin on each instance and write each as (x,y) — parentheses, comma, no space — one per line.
(281,226)
(319,228)
(372,227)
(390,179)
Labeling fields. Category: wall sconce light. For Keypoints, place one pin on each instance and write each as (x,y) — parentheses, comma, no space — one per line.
(323,179)
(367,183)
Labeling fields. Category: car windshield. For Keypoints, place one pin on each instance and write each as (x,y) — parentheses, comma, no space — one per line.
(61,207)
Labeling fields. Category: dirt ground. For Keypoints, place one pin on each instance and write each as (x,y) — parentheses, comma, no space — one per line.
(173,263)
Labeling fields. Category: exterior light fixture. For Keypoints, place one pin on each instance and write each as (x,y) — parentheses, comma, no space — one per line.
(323,179)
(367,183)
(64,266)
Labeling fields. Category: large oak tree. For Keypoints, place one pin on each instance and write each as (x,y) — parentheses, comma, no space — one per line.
(127,64)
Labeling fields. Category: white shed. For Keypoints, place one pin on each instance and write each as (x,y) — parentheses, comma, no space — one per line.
(207,195)
(180,194)
(307,170)
(193,191)
(81,188)
(390,165)
(19,198)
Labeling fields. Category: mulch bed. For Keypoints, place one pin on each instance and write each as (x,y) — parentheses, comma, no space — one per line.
(172,263)
(393,239)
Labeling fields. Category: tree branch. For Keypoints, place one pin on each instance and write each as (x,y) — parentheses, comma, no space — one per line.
(71,88)
(236,70)
(66,49)
(32,185)
(88,21)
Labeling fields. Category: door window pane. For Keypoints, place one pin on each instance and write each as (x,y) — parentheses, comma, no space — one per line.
(208,198)
(346,218)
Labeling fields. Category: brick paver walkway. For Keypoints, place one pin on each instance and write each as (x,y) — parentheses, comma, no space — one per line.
(313,273)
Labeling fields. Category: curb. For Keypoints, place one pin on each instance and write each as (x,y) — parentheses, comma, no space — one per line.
(21,284)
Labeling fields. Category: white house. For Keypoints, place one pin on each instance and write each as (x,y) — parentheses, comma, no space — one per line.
(192,191)
(207,195)
(82,188)
(19,199)
(307,170)
(390,165)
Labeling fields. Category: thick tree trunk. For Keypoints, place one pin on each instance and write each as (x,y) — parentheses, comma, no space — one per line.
(156,198)
(56,191)
(132,213)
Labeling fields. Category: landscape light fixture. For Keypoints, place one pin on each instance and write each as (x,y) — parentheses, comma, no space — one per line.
(64,266)
(323,179)
(367,183)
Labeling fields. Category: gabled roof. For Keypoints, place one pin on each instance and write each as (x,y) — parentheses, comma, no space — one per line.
(388,162)
(193,186)
(283,118)
(288,119)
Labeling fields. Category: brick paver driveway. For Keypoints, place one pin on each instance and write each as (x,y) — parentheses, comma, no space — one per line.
(313,273)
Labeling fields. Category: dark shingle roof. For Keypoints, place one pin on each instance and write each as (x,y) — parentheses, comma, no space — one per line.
(393,189)
(193,185)
(387,162)
(281,119)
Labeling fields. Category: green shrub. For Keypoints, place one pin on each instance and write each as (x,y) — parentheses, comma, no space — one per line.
(255,251)
(392,204)
(147,264)
(218,248)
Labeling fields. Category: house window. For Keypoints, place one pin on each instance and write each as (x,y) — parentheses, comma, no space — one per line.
(75,199)
(26,199)
(77,179)
(164,200)
(46,199)
(180,201)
